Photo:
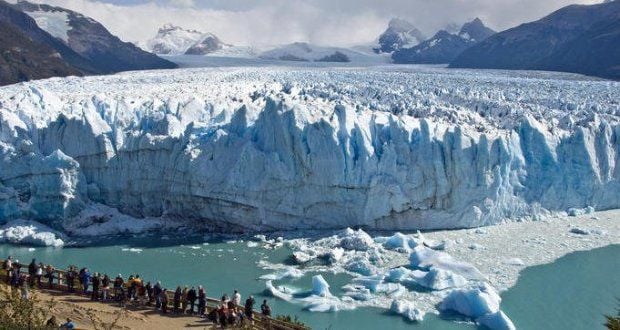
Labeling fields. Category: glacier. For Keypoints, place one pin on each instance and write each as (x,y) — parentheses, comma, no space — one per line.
(287,148)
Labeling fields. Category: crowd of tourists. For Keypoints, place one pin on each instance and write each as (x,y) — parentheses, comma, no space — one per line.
(230,311)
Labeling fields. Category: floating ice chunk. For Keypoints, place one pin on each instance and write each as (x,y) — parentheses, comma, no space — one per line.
(579,231)
(423,257)
(134,250)
(369,282)
(476,246)
(251,244)
(400,242)
(361,266)
(302,257)
(440,279)
(355,240)
(289,272)
(320,287)
(481,231)
(514,262)
(496,321)
(407,309)
(279,292)
(575,212)
(474,302)
(396,275)
(335,255)
(357,292)
(30,233)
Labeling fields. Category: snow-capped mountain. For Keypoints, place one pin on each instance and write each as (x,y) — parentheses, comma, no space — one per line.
(578,38)
(305,52)
(29,52)
(175,40)
(103,52)
(443,47)
(278,148)
(399,34)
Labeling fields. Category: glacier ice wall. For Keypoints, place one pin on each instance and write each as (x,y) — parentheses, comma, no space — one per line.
(273,149)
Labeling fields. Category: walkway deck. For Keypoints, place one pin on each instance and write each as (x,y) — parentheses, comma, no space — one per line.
(60,287)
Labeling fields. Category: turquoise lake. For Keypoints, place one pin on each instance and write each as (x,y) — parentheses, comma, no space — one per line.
(572,293)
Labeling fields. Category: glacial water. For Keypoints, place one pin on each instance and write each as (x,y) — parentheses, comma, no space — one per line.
(572,293)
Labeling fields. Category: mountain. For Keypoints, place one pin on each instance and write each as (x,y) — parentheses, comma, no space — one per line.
(105,52)
(175,40)
(24,59)
(209,44)
(444,46)
(579,38)
(399,34)
(305,52)
(27,27)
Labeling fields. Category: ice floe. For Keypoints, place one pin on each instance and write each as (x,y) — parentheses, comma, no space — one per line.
(30,233)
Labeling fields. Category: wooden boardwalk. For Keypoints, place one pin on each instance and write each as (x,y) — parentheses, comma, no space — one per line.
(60,287)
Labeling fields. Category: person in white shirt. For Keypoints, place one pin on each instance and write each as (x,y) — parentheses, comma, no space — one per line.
(236,299)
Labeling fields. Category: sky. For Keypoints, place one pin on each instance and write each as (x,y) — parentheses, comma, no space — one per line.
(322,22)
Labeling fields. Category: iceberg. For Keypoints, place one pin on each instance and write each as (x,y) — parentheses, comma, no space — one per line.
(400,242)
(320,287)
(407,309)
(475,302)
(496,321)
(30,233)
(426,258)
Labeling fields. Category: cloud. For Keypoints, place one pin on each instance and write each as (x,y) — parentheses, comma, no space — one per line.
(326,22)
(182,3)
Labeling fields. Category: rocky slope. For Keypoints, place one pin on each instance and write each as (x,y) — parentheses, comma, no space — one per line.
(24,59)
(174,40)
(577,38)
(444,47)
(399,34)
(104,52)
(281,148)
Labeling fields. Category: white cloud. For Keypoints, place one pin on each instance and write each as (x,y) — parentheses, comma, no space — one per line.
(327,22)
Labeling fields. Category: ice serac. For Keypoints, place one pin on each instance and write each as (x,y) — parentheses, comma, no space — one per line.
(269,149)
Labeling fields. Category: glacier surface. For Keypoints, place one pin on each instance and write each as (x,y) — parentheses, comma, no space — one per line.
(277,148)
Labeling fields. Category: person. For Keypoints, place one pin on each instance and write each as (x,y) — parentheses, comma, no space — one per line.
(105,287)
(49,274)
(32,271)
(71,275)
(120,296)
(157,293)
(51,323)
(177,300)
(163,299)
(8,267)
(85,280)
(249,308)
(131,286)
(202,301)
(184,300)
(96,280)
(24,288)
(142,295)
(149,293)
(136,284)
(118,284)
(223,315)
(68,325)
(236,299)
(39,274)
(15,273)
(191,299)
(265,309)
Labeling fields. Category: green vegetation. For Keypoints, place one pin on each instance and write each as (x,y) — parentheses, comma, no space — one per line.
(18,313)
(613,322)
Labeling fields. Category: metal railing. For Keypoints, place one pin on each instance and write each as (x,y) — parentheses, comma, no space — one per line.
(60,276)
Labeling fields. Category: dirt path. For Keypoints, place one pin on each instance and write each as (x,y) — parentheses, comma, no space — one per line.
(78,307)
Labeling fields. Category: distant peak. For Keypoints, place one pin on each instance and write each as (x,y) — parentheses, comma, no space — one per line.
(400,24)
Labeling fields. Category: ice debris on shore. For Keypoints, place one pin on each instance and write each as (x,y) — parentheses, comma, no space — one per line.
(27,232)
